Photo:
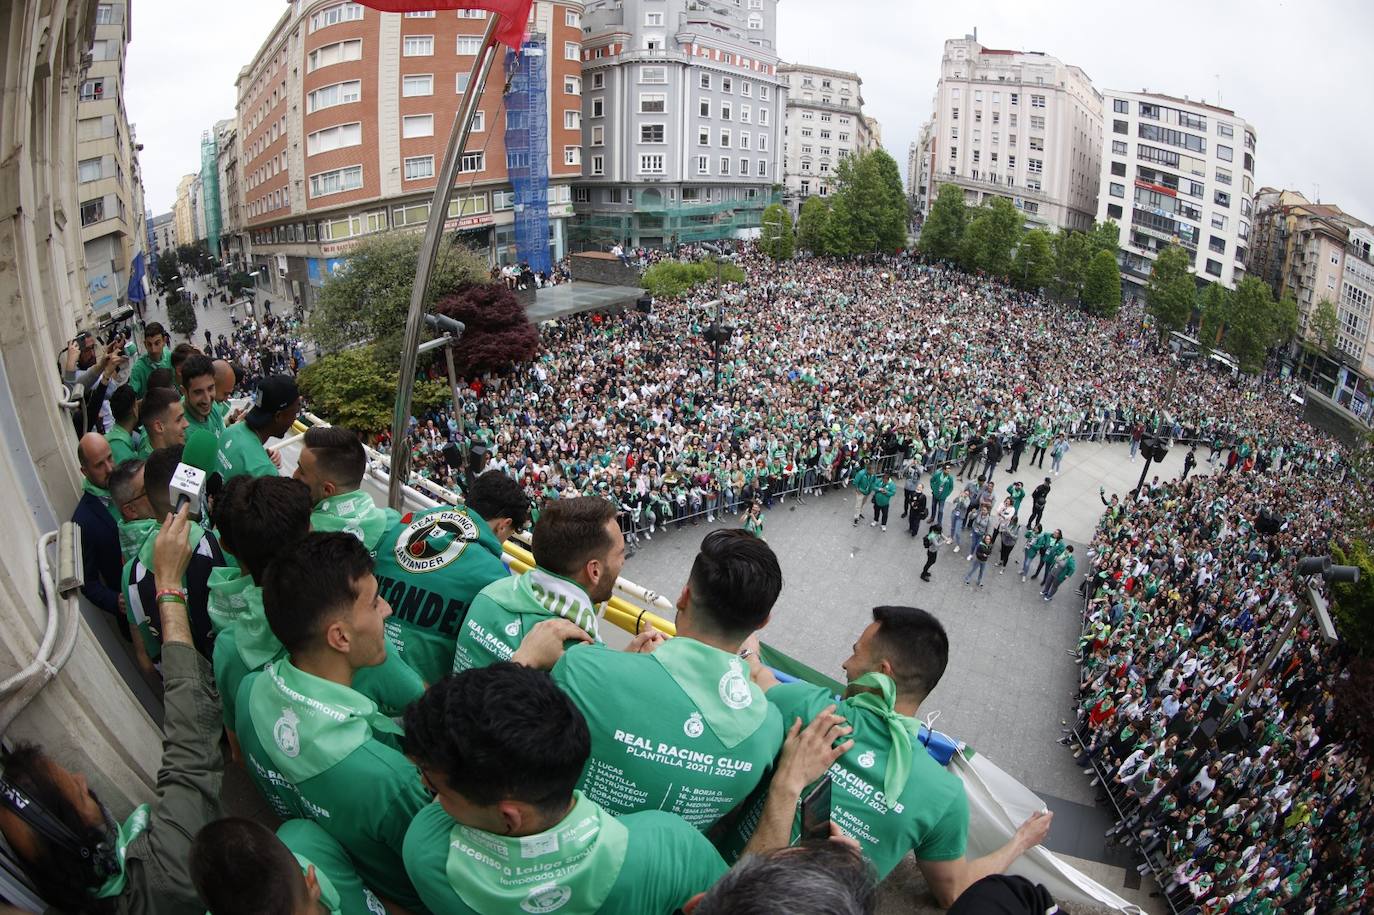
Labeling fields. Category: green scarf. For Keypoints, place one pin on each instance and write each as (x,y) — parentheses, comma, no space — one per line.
(558,596)
(129,830)
(718,685)
(133,533)
(104,496)
(308,723)
(570,868)
(228,603)
(903,730)
(355,513)
(194,535)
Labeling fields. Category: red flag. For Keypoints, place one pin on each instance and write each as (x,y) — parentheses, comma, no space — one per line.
(515,14)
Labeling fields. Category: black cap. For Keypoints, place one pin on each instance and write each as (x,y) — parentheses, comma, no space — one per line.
(275,393)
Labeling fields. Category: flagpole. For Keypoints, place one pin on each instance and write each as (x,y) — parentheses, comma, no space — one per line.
(429,251)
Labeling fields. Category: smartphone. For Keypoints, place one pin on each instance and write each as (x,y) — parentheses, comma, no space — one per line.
(815,811)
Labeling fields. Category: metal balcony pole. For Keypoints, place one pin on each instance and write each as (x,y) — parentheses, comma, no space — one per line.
(429,252)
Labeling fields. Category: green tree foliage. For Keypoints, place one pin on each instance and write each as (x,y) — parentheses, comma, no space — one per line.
(811,224)
(238,282)
(775,234)
(1215,306)
(195,256)
(1254,324)
(181,314)
(667,279)
(992,233)
(1104,236)
(868,208)
(1102,285)
(1323,326)
(497,332)
(368,300)
(1286,319)
(1171,291)
(943,232)
(357,389)
(1072,254)
(167,276)
(1353,602)
(1033,266)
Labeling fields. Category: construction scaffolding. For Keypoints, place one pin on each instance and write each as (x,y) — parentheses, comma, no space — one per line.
(527,151)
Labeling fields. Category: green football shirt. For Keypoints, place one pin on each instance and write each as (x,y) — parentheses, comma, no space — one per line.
(213,424)
(930,817)
(666,863)
(341,890)
(681,730)
(241,452)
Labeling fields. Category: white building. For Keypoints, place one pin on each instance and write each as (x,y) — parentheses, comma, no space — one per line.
(1177,172)
(918,167)
(825,123)
(1021,125)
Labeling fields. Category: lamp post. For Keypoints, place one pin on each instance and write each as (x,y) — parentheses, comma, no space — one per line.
(719,332)
(1153,448)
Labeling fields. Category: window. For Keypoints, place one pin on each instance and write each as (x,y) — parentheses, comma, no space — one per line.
(652,103)
(1223,176)
(472,162)
(725,111)
(342,179)
(572,120)
(572,19)
(571,51)
(744,114)
(1225,130)
(651,133)
(763,93)
(1222,199)
(92,90)
(1035,166)
(572,155)
(705,81)
(338,52)
(598,165)
(763,168)
(725,139)
(726,85)
(655,75)
(744,167)
(417,46)
(1118,168)
(418,167)
(1121,106)
(334,138)
(1119,126)
(1224,153)
(1037,101)
(1033,184)
(598,107)
(763,142)
(598,80)
(598,136)
(703,165)
(1213,267)
(461,83)
(763,117)
(653,19)
(977,117)
(337,94)
(1217,244)
(954,114)
(725,165)
(417,125)
(1113,211)
(977,154)
(104,14)
(572,85)
(1119,147)
(704,108)
(333,15)
(954,152)
(1218,221)
(412,86)
(1037,144)
(1118,190)
(755,22)
(746,89)
(469,45)
(90,169)
(704,136)
(743,140)
(651,164)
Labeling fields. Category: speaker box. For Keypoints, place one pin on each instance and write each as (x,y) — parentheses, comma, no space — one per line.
(1204,732)
(644,304)
(453,455)
(1234,738)
(1267,523)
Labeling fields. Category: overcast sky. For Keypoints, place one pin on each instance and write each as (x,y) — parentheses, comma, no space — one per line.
(1297,71)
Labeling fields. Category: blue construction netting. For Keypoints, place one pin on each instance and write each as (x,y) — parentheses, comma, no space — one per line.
(527,152)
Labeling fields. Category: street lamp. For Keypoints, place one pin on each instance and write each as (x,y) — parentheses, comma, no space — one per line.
(1153,448)
(719,332)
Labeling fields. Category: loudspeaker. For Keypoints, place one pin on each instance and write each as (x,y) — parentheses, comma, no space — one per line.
(477,459)
(1202,735)
(1267,523)
(1234,738)
(453,455)
(644,304)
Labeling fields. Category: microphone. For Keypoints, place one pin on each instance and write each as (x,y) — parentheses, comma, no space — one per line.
(189,482)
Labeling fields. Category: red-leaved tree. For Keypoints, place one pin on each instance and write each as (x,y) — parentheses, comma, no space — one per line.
(498,333)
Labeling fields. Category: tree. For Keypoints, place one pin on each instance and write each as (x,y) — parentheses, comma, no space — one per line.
(775,234)
(943,232)
(181,314)
(367,301)
(811,220)
(354,388)
(992,232)
(238,282)
(497,333)
(869,208)
(1215,306)
(167,276)
(1072,254)
(1352,603)
(1286,319)
(1254,324)
(1171,290)
(1104,236)
(1033,266)
(1102,285)
(1324,325)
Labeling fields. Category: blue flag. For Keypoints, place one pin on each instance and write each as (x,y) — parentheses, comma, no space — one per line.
(136,279)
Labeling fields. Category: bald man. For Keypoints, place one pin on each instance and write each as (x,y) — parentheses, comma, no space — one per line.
(226,379)
(98,519)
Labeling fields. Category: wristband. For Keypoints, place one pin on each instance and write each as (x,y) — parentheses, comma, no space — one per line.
(179,592)
(172,599)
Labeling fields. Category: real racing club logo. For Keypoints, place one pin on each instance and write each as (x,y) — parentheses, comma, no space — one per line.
(432,541)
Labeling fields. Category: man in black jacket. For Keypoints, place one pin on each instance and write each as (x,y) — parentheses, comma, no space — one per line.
(1039,496)
(917,512)
(993,457)
(96,516)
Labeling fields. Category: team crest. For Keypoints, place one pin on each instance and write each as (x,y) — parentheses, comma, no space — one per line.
(433,541)
(374,905)
(285,734)
(513,628)
(734,687)
(546,899)
(867,759)
(693,727)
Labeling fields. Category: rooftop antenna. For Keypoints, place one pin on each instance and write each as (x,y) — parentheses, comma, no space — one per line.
(1218,76)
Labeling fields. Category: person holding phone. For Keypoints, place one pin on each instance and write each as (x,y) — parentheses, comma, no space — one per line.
(888,792)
